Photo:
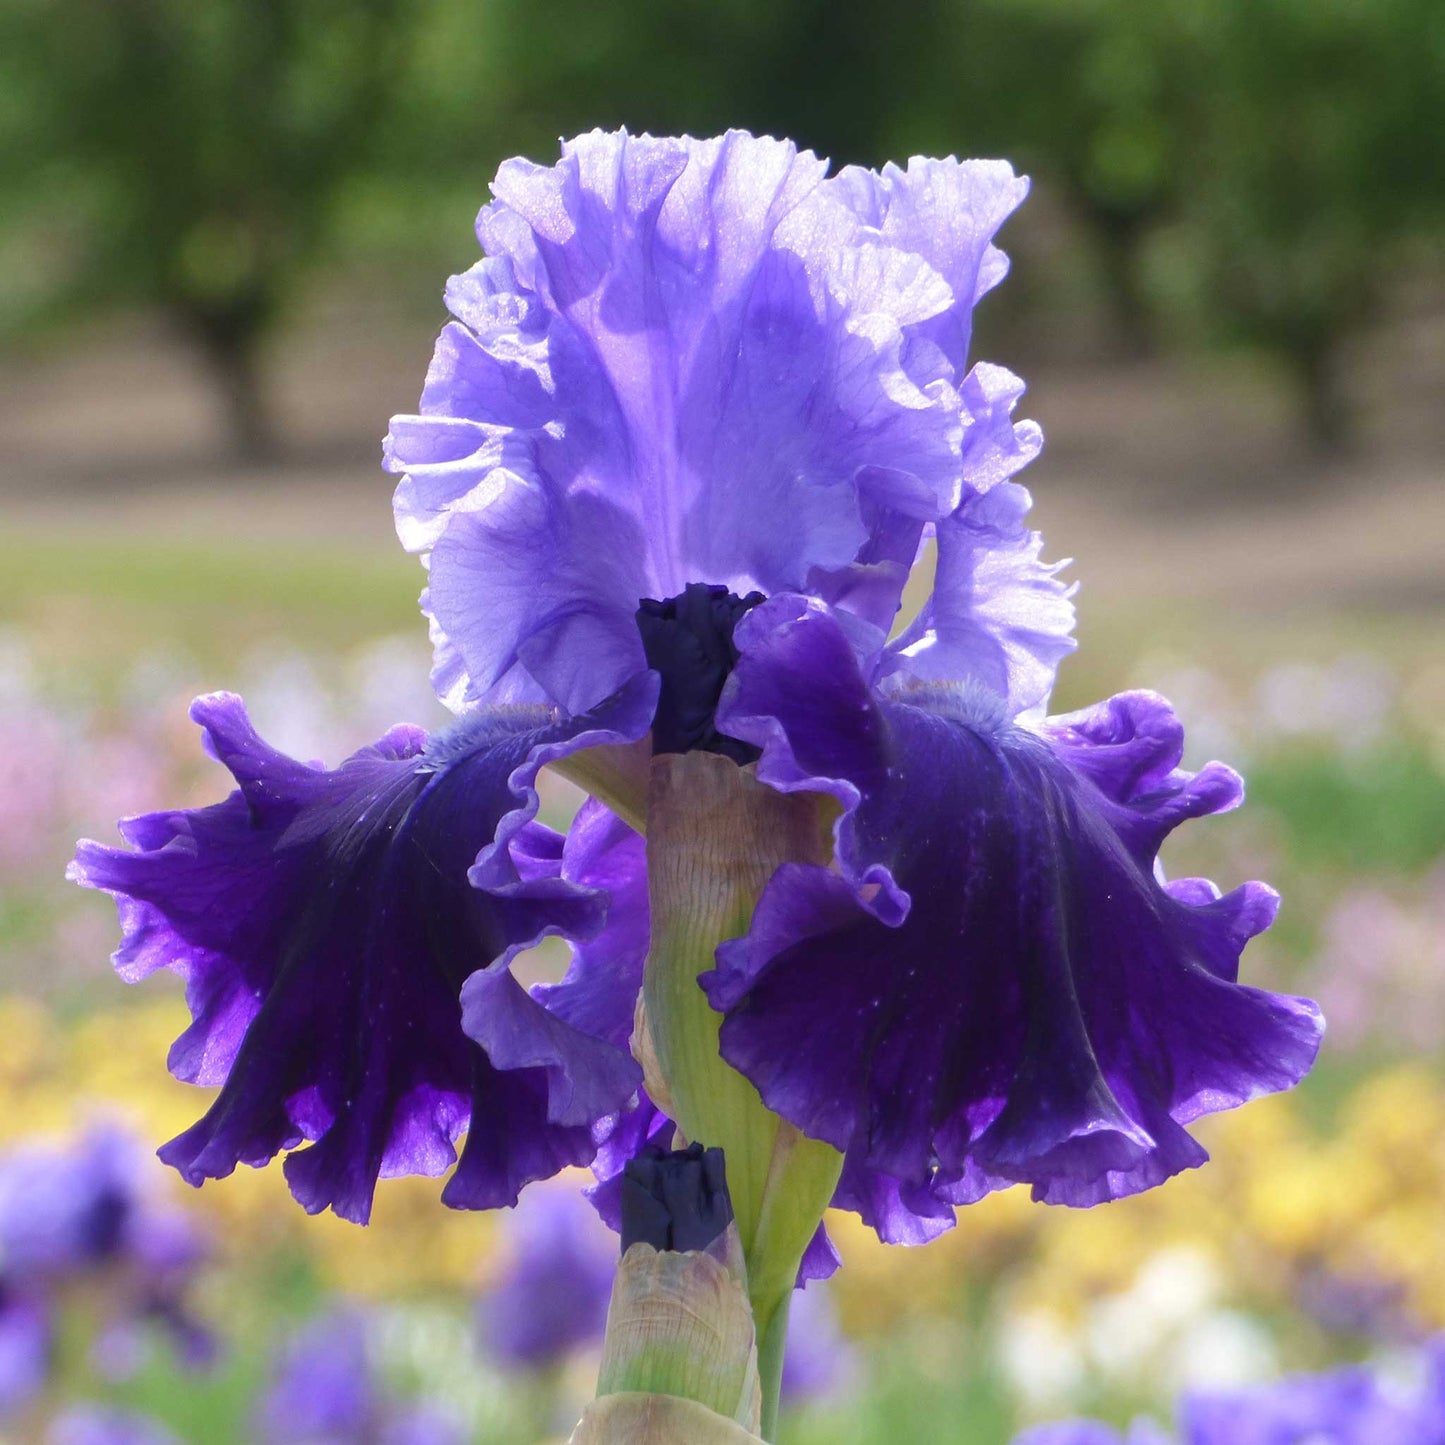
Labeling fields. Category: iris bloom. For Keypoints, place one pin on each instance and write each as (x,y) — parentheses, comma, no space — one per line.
(327,1387)
(82,1215)
(1348,1406)
(699,408)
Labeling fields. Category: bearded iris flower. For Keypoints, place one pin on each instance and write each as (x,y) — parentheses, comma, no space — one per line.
(898,938)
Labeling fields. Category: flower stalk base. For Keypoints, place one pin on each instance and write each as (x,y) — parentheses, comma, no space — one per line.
(715,836)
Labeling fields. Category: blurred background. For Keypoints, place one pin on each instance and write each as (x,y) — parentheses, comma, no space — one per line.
(224,232)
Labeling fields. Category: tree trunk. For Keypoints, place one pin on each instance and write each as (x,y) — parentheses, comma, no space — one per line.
(229,337)
(1327,411)
(1120,238)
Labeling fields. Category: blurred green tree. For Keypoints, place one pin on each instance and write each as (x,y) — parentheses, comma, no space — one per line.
(1079,93)
(1246,171)
(1316,174)
(190,153)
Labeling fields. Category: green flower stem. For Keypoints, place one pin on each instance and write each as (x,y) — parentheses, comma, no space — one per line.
(715,837)
(771,1321)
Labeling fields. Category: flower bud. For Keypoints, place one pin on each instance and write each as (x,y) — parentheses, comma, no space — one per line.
(675,1201)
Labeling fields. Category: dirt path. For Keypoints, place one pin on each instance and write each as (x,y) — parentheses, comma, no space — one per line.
(1161,483)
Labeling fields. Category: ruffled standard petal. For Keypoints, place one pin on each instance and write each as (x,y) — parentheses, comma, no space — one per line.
(682,361)
(948,212)
(325,922)
(998,615)
(992,986)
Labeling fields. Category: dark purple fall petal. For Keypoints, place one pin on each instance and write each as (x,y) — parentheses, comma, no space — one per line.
(325,923)
(992,987)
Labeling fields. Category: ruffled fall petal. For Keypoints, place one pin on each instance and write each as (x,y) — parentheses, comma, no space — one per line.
(598,995)
(991,986)
(325,922)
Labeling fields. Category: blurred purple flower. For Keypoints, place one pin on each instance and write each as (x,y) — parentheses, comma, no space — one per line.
(87,1212)
(1348,1406)
(25,1349)
(551,1294)
(819,1362)
(105,1425)
(1091,1432)
(323,1387)
(1341,1407)
(328,1389)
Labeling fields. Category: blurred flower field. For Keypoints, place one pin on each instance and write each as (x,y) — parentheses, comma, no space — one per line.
(1315,1235)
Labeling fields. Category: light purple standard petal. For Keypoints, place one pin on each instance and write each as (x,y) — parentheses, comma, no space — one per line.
(688,361)
(991,986)
(325,923)
(998,615)
(948,212)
